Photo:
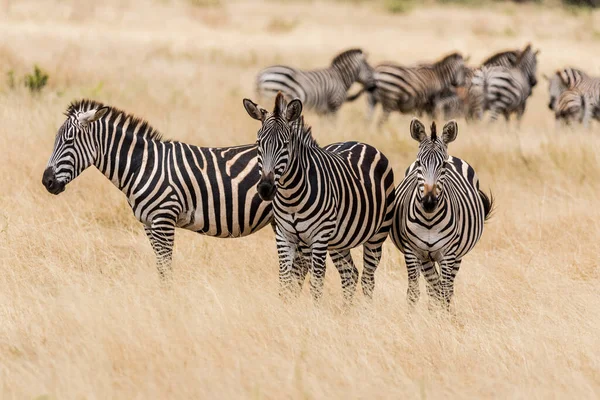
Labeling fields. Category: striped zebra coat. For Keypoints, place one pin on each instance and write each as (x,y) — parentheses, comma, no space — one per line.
(323,199)
(439,213)
(506,90)
(574,96)
(322,90)
(468,101)
(168,184)
(412,89)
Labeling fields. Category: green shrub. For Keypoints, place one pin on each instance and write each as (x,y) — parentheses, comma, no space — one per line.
(35,82)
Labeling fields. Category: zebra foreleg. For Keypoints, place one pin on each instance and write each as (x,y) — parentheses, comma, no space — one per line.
(343,262)
(317,270)
(299,271)
(162,236)
(413,268)
(286,253)
(449,268)
(371,258)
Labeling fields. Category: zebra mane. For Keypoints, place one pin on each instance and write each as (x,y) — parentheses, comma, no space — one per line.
(509,55)
(303,132)
(145,130)
(433,132)
(450,57)
(346,54)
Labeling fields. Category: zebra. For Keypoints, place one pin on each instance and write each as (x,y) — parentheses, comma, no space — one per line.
(561,80)
(464,100)
(323,90)
(168,184)
(505,90)
(412,89)
(323,199)
(580,103)
(439,213)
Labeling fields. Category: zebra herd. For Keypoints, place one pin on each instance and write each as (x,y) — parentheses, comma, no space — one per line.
(317,199)
(501,85)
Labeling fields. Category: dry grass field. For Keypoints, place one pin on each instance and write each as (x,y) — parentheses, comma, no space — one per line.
(82,312)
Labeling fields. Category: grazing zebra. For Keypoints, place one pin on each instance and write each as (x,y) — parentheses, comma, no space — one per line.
(413,89)
(439,212)
(323,90)
(466,100)
(505,90)
(580,103)
(323,199)
(168,184)
(564,79)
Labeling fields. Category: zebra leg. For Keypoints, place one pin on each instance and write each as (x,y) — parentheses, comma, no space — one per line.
(162,236)
(449,268)
(371,103)
(371,258)
(286,252)
(432,280)
(317,272)
(343,262)
(299,271)
(413,267)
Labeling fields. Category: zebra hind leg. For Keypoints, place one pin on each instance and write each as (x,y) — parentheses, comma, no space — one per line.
(371,258)
(343,262)
(432,282)
(162,236)
(299,271)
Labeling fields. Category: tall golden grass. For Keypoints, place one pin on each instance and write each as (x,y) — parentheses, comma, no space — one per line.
(82,312)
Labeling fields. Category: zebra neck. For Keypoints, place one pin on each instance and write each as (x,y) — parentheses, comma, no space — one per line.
(434,215)
(347,76)
(293,179)
(121,155)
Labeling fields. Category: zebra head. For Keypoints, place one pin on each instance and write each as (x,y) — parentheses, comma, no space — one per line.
(272,141)
(571,106)
(555,88)
(353,67)
(74,148)
(431,161)
(527,63)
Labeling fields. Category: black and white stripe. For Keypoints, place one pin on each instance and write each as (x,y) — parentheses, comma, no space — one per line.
(414,89)
(505,90)
(439,213)
(168,184)
(468,101)
(334,198)
(322,90)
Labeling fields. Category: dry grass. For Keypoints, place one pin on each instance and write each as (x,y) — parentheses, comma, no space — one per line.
(82,314)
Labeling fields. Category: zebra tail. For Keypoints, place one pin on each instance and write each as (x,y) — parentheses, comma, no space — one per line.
(489,205)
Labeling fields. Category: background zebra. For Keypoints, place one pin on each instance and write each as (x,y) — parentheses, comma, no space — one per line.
(560,81)
(505,90)
(322,90)
(464,100)
(574,95)
(168,184)
(336,198)
(413,89)
(439,212)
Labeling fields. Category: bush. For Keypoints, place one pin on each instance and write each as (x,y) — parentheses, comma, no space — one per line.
(35,82)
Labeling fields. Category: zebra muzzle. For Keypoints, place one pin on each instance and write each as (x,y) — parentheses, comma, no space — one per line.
(266,187)
(50,182)
(429,202)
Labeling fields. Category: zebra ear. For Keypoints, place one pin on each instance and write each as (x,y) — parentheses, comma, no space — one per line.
(90,116)
(254,110)
(294,110)
(417,130)
(449,132)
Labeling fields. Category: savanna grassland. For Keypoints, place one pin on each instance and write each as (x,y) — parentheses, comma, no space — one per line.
(82,311)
